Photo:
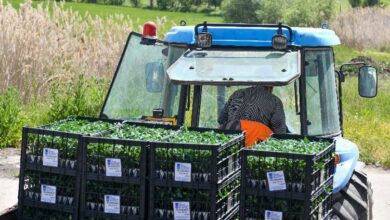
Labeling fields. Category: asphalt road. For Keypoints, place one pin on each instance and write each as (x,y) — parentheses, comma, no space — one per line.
(9,168)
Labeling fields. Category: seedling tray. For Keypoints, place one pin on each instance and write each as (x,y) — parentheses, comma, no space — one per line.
(46,151)
(116,168)
(214,168)
(254,206)
(304,175)
(37,199)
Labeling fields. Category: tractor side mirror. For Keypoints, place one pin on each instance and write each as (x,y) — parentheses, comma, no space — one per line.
(368,82)
(154,77)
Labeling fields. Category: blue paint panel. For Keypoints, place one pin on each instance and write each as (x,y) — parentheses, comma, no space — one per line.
(254,36)
(349,154)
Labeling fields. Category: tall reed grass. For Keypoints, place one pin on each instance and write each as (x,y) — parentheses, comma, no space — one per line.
(48,44)
(364,28)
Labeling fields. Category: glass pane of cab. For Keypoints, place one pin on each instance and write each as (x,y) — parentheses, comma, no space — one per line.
(321,96)
(140,84)
(235,67)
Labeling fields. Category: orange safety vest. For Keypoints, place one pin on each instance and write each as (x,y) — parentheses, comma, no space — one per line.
(254,132)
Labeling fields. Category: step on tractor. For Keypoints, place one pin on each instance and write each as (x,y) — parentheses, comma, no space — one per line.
(187,78)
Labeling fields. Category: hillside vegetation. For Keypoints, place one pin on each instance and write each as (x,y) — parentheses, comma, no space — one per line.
(58,60)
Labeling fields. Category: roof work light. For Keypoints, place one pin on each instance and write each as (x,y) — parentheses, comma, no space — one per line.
(204,40)
(149,33)
(279,40)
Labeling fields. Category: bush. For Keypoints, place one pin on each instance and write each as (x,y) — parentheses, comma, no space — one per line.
(81,97)
(355,3)
(164,4)
(293,12)
(10,118)
(136,3)
(240,11)
(370,3)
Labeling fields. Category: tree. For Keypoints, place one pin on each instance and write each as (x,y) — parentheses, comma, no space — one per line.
(240,11)
(271,11)
(370,3)
(151,3)
(355,3)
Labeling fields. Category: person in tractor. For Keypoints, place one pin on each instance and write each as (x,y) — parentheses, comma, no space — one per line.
(256,111)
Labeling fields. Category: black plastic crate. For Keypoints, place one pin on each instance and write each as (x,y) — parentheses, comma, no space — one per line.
(48,196)
(318,207)
(126,182)
(201,204)
(124,179)
(213,168)
(64,145)
(304,175)
(48,151)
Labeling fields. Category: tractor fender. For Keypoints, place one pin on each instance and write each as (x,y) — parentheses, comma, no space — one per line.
(349,155)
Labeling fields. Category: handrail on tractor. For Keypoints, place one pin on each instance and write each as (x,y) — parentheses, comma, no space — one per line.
(280,26)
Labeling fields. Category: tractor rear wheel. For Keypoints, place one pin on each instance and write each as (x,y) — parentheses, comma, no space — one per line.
(355,200)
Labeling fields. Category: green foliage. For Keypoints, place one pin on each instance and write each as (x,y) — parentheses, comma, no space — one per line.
(136,3)
(291,12)
(370,3)
(185,5)
(140,133)
(277,7)
(355,3)
(303,146)
(164,4)
(240,11)
(208,137)
(10,118)
(82,97)
(80,126)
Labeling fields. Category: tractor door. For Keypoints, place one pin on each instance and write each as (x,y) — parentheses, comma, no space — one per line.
(140,89)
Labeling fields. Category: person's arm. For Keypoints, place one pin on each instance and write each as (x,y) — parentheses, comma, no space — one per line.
(278,119)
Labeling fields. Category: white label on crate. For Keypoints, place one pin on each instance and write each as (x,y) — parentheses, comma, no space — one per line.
(48,194)
(50,157)
(276,181)
(182,172)
(271,215)
(112,204)
(181,211)
(113,167)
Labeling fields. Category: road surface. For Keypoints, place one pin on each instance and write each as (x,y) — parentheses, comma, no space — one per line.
(9,169)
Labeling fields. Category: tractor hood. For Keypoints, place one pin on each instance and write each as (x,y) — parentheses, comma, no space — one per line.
(235,67)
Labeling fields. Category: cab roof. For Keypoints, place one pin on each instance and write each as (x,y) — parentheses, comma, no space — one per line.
(253,36)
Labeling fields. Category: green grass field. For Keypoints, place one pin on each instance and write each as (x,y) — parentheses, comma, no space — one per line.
(136,14)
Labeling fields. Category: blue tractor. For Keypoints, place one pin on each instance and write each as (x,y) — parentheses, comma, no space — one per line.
(196,68)
(187,78)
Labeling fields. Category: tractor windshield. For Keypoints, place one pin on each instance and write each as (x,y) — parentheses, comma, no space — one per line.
(140,84)
(214,99)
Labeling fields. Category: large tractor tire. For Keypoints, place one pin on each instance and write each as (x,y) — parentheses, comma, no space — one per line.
(355,200)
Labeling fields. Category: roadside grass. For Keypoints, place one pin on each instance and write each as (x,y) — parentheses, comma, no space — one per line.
(367,121)
(344,54)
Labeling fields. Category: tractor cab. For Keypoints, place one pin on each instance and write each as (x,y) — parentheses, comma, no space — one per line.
(198,68)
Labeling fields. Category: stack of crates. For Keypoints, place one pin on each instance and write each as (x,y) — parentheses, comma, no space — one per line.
(278,185)
(195,181)
(114,174)
(49,184)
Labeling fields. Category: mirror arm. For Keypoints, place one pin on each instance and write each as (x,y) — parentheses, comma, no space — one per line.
(349,64)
